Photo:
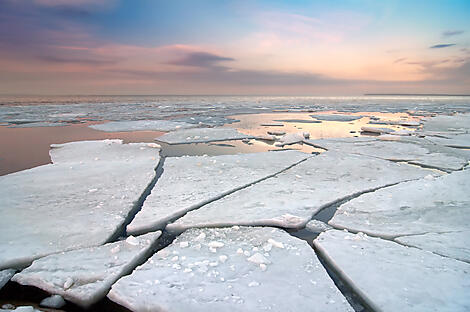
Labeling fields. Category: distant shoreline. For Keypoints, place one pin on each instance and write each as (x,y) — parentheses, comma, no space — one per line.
(414,94)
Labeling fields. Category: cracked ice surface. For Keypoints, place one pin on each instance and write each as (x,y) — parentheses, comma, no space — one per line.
(414,151)
(80,200)
(202,135)
(189,182)
(84,276)
(142,125)
(452,244)
(416,207)
(291,198)
(391,277)
(5,276)
(231,269)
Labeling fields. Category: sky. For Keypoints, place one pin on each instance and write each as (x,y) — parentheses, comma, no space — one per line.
(269,47)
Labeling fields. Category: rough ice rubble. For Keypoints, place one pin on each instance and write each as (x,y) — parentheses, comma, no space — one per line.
(202,135)
(142,125)
(84,276)
(430,205)
(5,276)
(19,309)
(80,200)
(391,277)
(189,182)
(231,269)
(336,117)
(291,198)
(414,151)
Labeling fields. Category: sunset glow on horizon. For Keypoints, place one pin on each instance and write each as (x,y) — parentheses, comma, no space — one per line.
(234,47)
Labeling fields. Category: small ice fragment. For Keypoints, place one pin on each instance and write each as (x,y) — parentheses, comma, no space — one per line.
(267,247)
(184,244)
(116,249)
(131,240)
(54,301)
(263,267)
(223,258)
(253,284)
(246,253)
(239,251)
(275,243)
(175,258)
(187,270)
(201,236)
(92,190)
(68,283)
(215,244)
(258,258)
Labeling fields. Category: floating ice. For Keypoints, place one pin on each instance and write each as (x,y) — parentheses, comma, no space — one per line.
(454,123)
(290,202)
(236,284)
(316,226)
(293,138)
(38,124)
(377,130)
(50,208)
(202,135)
(84,276)
(142,125)
(416,207)
(391,277)
(335,117)
(189,182)
(298,120)
(54,301)
(5,276)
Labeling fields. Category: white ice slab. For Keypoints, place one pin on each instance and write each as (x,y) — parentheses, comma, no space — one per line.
(291,198)
(231,269)
(84,276)
(451,244)
(377,130)
(294,138)
(416,153)
(391,277)
(142,125)
(74,203)
(201,135)
(336,117)
(416,207)
(457,123)
(189,182)
(5,276)
(457,141)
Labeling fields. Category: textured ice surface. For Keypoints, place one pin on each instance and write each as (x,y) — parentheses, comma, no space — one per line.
(457,141)
(80,200)
(418,152)
(417,207)
(231,269)
(5,276)
(457,123)
(336,117)
(201,135)
(291,198)
(189,182)
(84,276)
(391,277)
(141,125)
(316,226)
(450,244)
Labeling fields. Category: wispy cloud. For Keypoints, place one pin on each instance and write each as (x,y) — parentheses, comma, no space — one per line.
(440,46)
(201,59)
(451,33)
(399,60)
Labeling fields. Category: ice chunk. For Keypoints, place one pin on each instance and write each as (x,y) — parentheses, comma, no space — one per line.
(142,125)
(377,130)
(391,277)
(190,182)
(200,135)
(416,207)
(229,285)
(50,208)
(287,201)
(293,138)
(316,226)
(335,117)
(5,276)
(54,301)
(92,270)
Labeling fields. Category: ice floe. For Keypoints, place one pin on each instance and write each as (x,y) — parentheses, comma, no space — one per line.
(81,200)
(54,301)
(38,124)
(291,198)
(336,117)
(5,276)
(84,276)
(391,277)
(142,125)
(377,130)
(417,207)
(202,135)
(190,182)
(232,269)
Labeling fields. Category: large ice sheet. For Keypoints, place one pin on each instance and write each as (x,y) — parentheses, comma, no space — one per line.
(84,276)
(81,200)
(391,277)
(417,207)
(456,123)
(231,269)
(142,125)
(5,276)
(450,244)
(457,141)
(202,135)
(414,151)
(189,182)
(291,198)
